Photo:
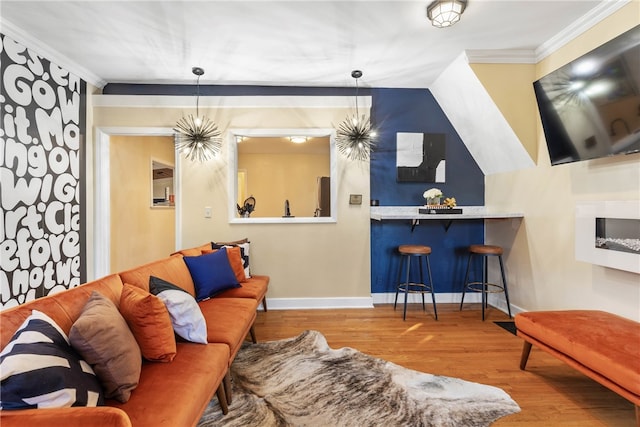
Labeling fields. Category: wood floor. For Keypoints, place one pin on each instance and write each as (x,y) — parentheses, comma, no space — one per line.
(460,345)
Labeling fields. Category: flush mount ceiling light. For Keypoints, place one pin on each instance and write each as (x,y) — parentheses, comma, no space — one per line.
(298,139)
(445,13)
(198,138)
(355,137)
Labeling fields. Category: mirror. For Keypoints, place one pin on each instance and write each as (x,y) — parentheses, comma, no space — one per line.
(285,174)
(162,194)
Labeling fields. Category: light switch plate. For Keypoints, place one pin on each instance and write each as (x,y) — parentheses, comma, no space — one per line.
(207,212)
(355,199)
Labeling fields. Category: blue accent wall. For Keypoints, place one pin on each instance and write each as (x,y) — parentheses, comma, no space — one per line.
(416,110)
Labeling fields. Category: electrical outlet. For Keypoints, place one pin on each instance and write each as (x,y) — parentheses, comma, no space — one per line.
(207,212)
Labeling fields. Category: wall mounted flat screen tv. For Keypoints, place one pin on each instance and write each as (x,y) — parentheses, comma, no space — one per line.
(590,107)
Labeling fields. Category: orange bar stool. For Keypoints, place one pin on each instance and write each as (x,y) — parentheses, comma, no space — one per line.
(485,287)
(421,254)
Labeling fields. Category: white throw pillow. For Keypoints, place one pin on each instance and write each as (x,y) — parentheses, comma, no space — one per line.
(186,316)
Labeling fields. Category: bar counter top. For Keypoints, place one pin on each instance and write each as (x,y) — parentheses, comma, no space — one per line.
(380,213)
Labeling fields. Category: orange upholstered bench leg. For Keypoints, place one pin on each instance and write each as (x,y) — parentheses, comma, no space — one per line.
(526,350)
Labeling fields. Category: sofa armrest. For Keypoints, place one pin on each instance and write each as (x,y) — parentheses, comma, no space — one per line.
(102,416)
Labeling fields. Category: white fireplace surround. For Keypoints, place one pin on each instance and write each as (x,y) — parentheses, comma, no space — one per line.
(586,214)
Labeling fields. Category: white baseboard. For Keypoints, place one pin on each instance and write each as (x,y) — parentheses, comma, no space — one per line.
(318,303)
(443,298)
(381,298)
(501,305)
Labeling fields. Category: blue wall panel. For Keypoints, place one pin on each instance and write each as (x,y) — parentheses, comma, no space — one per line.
(415,110)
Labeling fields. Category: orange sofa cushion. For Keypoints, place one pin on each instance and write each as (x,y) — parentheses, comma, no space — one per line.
(603,342)
(229,320)
(149,320)
(172,269)
(193,251)
(254,287)
(66,417)
(64,307)
(175,394)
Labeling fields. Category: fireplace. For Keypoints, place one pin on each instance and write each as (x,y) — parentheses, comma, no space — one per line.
(618,234)
(608,234)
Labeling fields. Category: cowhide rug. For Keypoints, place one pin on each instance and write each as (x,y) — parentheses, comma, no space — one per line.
(301,381)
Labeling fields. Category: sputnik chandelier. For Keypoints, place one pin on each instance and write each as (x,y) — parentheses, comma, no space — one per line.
(198,138)
(355,137)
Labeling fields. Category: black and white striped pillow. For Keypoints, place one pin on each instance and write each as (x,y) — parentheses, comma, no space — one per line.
(39,369)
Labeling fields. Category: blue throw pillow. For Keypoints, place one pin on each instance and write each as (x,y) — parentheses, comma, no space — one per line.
(211,273)
(39,369)
(244,252)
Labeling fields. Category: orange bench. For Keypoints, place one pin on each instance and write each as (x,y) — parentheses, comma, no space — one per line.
(601,345)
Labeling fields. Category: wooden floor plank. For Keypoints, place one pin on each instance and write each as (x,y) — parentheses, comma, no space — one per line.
(461,345)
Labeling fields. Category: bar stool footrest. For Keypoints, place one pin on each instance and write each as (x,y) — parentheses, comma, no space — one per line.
(492,288)
(415,288)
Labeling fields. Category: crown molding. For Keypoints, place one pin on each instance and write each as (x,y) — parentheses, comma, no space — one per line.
(525,56)
(46,51)
(501,56)
(582,24)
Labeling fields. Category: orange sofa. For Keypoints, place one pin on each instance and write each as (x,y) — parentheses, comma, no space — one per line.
(601,345)
(168,394)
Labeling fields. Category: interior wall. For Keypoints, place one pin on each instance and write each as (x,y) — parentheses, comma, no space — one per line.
(416,111)
(543,273)
(329,260)
(268,179)
(42,150)
(139,233)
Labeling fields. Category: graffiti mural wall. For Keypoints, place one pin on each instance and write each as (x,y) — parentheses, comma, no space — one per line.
(42,111)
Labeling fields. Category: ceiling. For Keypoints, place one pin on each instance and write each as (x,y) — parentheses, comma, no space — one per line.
(277,43)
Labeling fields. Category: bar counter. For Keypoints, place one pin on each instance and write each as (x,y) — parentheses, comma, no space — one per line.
(380,213)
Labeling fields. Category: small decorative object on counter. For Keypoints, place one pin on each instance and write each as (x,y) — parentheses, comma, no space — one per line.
(433,196)
(450,202)
(249,206)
